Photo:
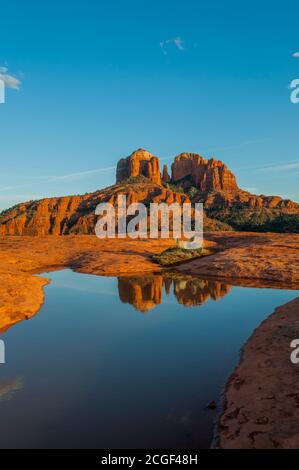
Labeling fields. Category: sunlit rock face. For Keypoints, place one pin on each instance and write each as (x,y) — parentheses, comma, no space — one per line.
(165,175)
(139,163)
(218,188)
(192,177)
(206,175)
(76,214)
(145,293)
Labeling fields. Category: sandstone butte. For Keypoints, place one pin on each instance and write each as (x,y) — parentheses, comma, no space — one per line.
(206,175)
(249,259)
(139,163)
(138,177)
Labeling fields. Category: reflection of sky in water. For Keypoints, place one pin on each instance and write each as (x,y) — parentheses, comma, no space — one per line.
(85,283)
(100,374)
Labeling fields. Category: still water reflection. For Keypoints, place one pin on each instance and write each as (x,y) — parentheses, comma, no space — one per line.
(145,293)
(127,362)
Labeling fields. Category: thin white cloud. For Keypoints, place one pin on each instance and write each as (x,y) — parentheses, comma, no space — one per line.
(82,174)
(296,54)
(235,146)
(203,151)
(282,167)
(9,80)
(56,179)
(177,42)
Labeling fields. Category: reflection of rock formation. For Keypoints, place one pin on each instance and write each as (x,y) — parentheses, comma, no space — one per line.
(191,291)
(145,293)
(9,386)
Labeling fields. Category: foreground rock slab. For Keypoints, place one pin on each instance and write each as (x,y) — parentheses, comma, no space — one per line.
(269,257)
(261,409)
(21,292)
(239,258)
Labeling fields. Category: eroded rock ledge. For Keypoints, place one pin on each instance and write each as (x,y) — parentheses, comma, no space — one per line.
(239,258)
(261,408)
(262,397)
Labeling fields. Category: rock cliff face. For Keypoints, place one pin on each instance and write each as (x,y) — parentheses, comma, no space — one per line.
(139,163)
(206,175)
(76,214)
(241,199)
(51,216)
(138,177)
(165,176)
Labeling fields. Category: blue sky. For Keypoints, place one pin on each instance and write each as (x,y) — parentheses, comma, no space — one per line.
(100,79)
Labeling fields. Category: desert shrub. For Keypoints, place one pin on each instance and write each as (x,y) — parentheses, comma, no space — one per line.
(136,179)
(174,255)
(258,220)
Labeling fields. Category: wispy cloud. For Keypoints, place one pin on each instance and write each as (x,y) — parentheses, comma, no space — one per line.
(237,146)
(296,54)
(177,42)
(9,80)
(38,180)
(81,174)
(280,167)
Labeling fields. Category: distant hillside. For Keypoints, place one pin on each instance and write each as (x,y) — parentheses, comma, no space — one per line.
(192,178)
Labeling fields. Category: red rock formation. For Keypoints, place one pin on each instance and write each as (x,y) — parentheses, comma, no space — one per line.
(45,217)
(217,187)
(76,214)
(139,163)
(165,177)
(206,175)
(244,199)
